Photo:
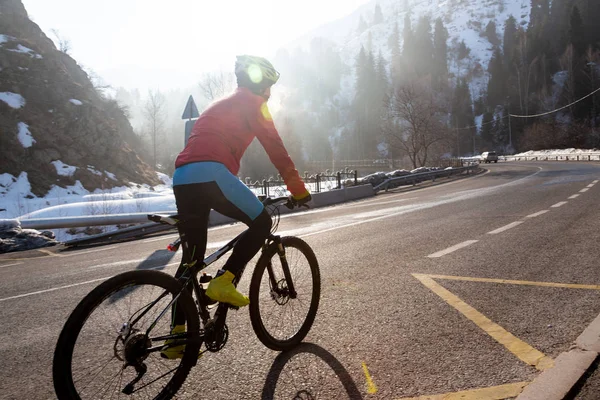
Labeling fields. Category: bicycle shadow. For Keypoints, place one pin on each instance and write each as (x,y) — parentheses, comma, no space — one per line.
(157,260)
(304,378)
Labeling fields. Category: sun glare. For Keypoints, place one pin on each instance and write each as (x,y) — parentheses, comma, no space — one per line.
(255,74)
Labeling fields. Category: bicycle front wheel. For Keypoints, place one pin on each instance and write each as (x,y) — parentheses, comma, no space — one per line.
(281,319)
(111,343)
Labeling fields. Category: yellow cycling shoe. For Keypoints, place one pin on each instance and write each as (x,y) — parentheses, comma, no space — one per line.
(175,352)
(222,289)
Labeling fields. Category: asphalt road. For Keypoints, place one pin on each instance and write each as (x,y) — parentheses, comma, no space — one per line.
(424,292)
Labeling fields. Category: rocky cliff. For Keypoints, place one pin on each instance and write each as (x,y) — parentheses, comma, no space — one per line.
(54,125)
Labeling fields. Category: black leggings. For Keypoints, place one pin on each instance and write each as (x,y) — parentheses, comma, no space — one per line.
(194,202)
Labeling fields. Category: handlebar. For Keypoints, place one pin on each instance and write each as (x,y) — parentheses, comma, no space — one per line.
(285,200)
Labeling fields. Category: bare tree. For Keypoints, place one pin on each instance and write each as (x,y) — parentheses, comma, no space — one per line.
(215,85)
(155,114)
(64,44)
(413,126)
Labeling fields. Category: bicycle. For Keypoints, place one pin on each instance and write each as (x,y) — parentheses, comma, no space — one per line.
(135,331)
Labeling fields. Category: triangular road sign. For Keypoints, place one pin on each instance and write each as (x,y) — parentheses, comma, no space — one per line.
(190,111)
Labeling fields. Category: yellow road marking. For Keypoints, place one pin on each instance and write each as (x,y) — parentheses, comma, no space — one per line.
(11,265)
(513,282)
(519,348)
(489,393)
(371,387)
(50,253)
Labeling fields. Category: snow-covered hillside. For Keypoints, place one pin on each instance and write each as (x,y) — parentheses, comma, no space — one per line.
(465,20)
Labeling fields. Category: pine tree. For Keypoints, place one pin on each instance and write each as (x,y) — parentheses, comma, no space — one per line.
(579,87)
(394,46)
(381,77)
(440,55)
(510,34)
(462,117)
(496,86)
(365,105)
(577,32)
(463,50)
(423,47)
(487,137)
(378,16)
(361,68)
(491,34)
(362,25)
(540,9)
(408,44)
(592,16)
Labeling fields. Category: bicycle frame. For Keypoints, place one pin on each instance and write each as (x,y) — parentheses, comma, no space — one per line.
(189,279)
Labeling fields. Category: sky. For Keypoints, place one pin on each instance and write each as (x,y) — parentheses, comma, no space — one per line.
(168,43)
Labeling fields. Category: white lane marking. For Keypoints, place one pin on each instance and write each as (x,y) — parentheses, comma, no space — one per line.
(505,227)
(408,209)
(11,265)
(73,285)
(76,253)
(467,243)
(574,196)
(590,185)
(116,264)
(584,190)
(596,181)
(364,201)
(160,238)
(559,204)
(537,214)
(452,249)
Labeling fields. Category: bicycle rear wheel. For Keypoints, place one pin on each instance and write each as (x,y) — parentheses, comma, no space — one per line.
(280,320)
(103,345)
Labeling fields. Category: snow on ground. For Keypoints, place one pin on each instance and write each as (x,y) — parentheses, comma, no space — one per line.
(14,100)
(563,152)
(76,102)
(63,169)
(24,135)
(25,50)
(5,38)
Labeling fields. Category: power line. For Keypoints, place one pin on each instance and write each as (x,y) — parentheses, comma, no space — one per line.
(531,116)
(558,109)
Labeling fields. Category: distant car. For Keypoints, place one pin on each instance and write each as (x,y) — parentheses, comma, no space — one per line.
(489,156)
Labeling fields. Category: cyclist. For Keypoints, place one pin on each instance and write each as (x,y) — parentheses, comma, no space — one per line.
(205,178)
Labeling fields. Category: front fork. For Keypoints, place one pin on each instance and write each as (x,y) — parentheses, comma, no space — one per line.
(284,265)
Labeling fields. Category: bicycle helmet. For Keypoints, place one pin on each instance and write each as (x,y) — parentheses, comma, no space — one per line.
(255,73)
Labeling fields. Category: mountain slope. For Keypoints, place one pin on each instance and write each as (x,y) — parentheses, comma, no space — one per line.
(54,125)
(465,20)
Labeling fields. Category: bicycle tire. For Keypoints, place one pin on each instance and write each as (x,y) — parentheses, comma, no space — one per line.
(263,332)
(62,370)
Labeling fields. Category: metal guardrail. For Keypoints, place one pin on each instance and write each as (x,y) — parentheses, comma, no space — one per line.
(546,157)
(317,183)
(143,227)
(423,176)
(121,234)
(91,220)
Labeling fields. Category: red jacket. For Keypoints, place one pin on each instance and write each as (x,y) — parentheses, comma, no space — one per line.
(225,130)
